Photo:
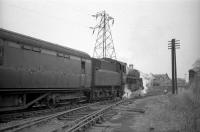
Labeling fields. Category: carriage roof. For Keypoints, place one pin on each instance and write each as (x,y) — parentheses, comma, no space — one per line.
(27,40)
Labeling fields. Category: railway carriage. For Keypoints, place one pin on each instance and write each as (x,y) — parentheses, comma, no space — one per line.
(32,69)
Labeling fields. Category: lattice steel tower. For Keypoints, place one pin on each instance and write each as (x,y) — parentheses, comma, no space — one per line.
(104,47)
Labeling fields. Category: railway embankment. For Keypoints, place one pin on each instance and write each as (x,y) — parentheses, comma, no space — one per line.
(161,113)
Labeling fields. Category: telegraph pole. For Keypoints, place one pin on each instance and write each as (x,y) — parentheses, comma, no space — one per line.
(104,47)
(173,45)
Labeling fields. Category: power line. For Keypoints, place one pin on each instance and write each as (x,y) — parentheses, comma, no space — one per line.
(104,47)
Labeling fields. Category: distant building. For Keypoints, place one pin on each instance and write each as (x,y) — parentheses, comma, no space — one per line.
(194,79)
(159,84)
(193,73)
(162,82)
(181,82)
(160,79)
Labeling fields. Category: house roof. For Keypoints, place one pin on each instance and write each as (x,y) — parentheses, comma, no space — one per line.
(161,76)
(195,69)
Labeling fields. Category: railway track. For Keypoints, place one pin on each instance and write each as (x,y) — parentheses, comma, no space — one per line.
(19,115)
(4,118)
(81,124)
(36,112)
(64,115)
(88,120)
(75,119)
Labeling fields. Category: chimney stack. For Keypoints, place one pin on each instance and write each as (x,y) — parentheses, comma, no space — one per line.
(130,66)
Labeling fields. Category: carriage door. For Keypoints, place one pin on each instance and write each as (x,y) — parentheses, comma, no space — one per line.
(83,71)
(1,54)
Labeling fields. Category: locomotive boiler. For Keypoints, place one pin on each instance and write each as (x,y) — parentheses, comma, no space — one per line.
(133,80)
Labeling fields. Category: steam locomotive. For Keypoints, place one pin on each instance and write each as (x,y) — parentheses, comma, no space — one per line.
(134,81)
(35,72)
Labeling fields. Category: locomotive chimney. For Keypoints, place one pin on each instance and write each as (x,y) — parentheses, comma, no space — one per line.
(130,66)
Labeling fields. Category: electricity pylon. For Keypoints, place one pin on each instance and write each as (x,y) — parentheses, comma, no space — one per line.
(104,47)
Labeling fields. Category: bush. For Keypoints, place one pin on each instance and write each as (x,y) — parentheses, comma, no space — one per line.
(187,104)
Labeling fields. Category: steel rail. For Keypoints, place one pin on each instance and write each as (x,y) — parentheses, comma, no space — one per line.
(84,122)
(91,118)
(24,125)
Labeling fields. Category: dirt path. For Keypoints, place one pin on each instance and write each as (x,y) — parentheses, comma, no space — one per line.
(156,117)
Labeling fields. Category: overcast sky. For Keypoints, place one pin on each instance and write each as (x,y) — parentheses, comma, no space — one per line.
(141,30)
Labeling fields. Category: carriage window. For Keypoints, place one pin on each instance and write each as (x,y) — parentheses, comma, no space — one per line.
(124,69)
(82,66)
(36,49)
(48,52)
(67,56)
(1,51)
(60,55)
(1,55)
(26,47)
(120,67)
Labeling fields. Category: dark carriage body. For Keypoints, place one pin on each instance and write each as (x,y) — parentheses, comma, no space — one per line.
(32,67)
